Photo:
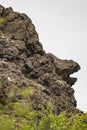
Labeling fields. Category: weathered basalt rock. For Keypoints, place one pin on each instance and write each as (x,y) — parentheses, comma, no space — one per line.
(22,58)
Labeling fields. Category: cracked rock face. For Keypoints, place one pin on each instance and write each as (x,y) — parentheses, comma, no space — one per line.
(22,58)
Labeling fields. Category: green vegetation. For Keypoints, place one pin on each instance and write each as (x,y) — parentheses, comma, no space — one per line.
(1,21)
(26,92)
(17,112)
(6,123)
(21,116)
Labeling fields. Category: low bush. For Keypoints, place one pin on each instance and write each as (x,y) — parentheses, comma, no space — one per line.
(24,117)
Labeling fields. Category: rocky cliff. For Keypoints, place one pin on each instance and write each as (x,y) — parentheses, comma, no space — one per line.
(27,72)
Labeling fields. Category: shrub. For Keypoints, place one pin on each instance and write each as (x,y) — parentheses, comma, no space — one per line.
(78,122)
(19,114)
(25,118)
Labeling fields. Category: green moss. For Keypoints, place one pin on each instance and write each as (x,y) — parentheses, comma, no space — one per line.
(2,20)
(6,123)
(20,109)
(26,92)
(32,83)
(11,93)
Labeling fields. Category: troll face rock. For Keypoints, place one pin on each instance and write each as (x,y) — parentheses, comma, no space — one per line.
(22,59)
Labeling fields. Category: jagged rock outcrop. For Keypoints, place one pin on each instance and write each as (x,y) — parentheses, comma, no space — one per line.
(24,63)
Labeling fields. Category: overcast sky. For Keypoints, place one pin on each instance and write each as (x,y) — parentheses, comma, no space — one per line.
(62,28)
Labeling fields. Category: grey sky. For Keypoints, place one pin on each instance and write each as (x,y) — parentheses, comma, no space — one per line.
(62,28)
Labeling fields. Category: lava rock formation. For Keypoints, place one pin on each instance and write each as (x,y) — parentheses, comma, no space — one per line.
(24,63)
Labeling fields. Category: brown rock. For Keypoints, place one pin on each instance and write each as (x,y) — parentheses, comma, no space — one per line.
(22,58)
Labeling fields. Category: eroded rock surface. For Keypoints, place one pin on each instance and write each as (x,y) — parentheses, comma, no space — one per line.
(22,59)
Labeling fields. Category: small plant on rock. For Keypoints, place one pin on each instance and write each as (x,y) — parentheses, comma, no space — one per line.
(2,20)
